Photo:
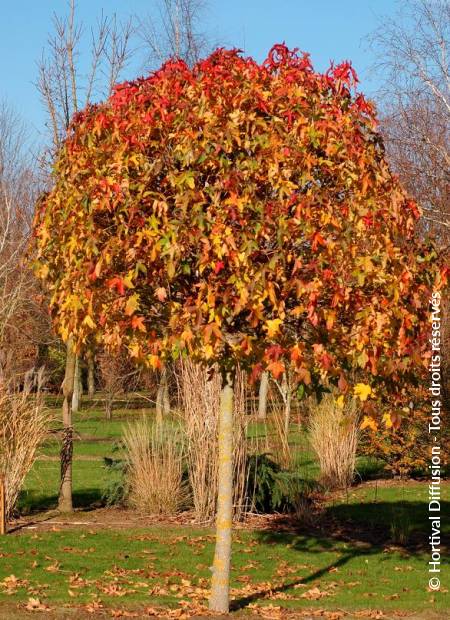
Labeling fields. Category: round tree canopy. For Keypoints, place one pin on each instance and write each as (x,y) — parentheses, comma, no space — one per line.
(241,213)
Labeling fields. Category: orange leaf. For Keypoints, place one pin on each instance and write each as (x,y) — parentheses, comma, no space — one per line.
(137,322)
(276,368)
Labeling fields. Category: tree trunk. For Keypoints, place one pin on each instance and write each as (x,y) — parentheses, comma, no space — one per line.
(65,490)
(162,397)
(109,408)
(77,386)
(287,404)
(91,374)
(220,588)
(165,396)
(262,399)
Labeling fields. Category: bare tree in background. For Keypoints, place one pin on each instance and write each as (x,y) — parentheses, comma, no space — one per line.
(63,86)
(174,31)
(412,51)
(65,89)
(118,375)
(22,321)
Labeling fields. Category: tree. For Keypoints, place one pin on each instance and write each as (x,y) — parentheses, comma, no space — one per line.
(412,50)
(241,214)
(174,32)
(64,90)
(117,374)
(23,325)
(262,395)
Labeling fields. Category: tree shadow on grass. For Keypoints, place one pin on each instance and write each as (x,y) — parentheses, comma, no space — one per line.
(367,529)
(35,501)
(301,544)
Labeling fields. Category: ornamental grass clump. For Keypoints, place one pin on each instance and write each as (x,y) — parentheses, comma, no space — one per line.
(154,467)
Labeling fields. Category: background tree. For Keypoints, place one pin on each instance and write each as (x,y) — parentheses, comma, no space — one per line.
(241,214)
(24,327)
(118,374)
(413,51)
(413,66)
(174,32)
(65,89)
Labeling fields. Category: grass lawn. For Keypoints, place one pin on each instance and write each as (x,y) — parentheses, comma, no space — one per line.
(163,565)
(365,550)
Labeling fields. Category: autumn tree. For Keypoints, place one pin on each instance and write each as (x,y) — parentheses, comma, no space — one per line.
(64,90)
(239,213)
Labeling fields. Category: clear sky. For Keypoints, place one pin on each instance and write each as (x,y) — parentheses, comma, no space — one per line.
(328,29)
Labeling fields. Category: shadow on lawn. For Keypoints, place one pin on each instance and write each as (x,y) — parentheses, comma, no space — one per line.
(300,544)
(31,502)
(365,528)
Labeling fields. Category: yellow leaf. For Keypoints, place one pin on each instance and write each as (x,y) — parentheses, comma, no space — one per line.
(42,271)
(388,420)
(363,391)
(134,349)
(368,422)
(208,351)
(273,327)
(88,321)
(340,401)
(128,281)
(154,361)
(132,304)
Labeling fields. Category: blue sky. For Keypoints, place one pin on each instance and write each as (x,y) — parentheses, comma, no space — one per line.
(328,29)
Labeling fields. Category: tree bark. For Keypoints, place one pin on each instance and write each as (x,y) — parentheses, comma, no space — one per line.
(77,386)
(262,399)
(91,374)
(286,388)
(109,408)
(65,490)
(220,588)
(162,397)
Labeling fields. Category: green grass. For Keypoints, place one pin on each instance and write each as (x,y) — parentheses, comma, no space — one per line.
(348,554)
(268,567)
(41,486)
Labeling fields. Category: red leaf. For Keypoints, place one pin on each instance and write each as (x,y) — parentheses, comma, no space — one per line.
(219,266)
(117,284)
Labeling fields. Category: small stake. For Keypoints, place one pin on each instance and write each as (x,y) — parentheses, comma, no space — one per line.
(2,506)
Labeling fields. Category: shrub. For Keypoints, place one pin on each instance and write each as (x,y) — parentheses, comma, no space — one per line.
(405,447)
(200,397)
(271,488)
(154,467)
(23,422)
(262,477)
(333,431)
(116,489)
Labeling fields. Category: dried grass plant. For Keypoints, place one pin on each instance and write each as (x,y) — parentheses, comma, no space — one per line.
(199,391)
(155,460)
(334,434)
(24,422)
(200,400)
